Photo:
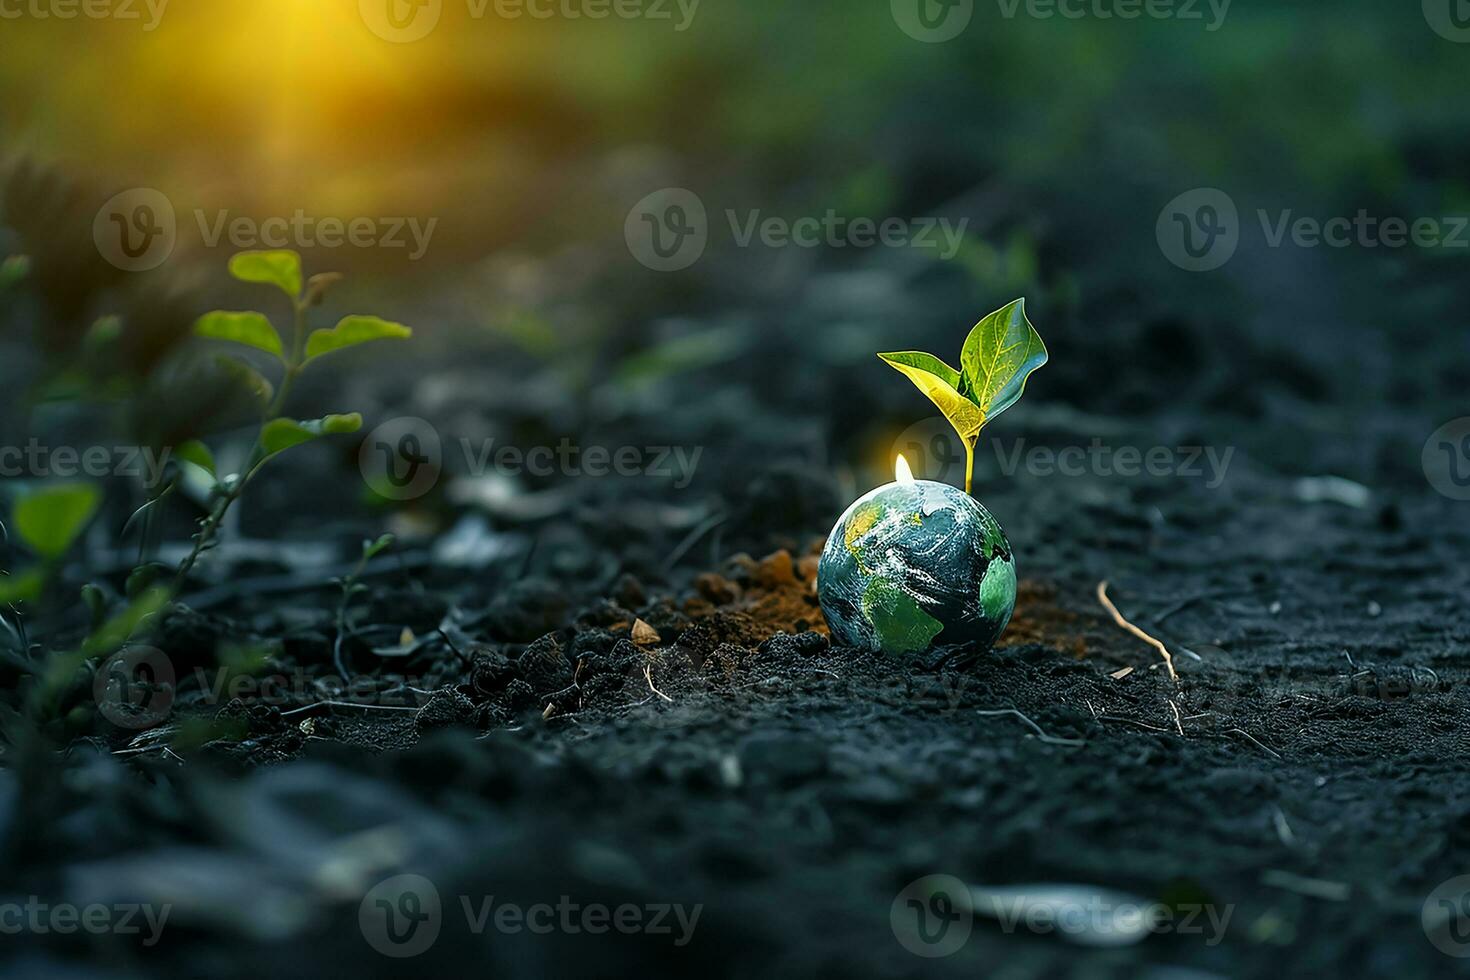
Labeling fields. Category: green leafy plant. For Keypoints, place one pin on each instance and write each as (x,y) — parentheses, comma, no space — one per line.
(12,270)
(48,521)
(1000,353)
(277,433)
(352,587)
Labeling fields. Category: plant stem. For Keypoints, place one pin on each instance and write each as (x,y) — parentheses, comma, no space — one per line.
(210,527)
(969,466)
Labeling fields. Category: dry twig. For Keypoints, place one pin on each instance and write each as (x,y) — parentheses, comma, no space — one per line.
(1102,597)
(1043,736)
(648,673)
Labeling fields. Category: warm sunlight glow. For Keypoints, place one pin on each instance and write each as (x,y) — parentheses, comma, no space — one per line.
(901,471)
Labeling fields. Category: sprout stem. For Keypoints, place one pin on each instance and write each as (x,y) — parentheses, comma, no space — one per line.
(211,524)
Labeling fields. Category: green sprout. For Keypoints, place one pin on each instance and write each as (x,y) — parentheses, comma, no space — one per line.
(48,520)
(277,433)
(999,355)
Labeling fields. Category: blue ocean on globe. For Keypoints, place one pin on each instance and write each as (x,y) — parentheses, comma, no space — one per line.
(913,565)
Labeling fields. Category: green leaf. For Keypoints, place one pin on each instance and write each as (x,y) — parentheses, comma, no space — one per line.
(278,435)
(121,627)
(104,331)
(50,520)
(941,384)
(96,602)
(249,328)
(197,453)
(141,579)
(25,587)
(280,268)
(247,377)
(1000,353)
(371,549)
(13,270)
(351,331)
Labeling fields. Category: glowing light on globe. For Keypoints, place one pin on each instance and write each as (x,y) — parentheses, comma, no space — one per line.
(916,564)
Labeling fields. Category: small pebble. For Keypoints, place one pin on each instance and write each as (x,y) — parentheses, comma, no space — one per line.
(645,635)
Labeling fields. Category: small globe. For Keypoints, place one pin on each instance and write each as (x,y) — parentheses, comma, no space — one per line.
(912,565)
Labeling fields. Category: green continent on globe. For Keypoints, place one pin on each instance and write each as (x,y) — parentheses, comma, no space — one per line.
(912,565)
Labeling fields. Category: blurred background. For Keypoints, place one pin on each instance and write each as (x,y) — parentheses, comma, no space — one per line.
(659,229)
(493,166)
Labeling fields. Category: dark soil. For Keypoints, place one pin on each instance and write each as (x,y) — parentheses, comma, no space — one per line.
(620,690)
(1305,771)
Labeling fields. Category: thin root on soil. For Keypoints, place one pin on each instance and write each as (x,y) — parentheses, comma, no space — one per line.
(1102,597)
